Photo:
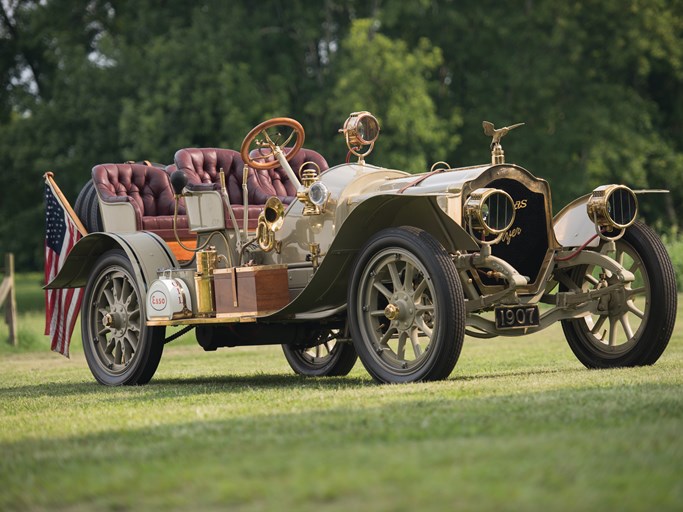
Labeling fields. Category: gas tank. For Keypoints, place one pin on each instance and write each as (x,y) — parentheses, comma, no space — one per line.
(168,299)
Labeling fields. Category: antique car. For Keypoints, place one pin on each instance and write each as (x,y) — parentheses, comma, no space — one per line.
(271,245)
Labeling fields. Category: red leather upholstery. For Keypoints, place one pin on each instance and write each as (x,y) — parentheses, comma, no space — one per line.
(264,183)
(202,165)
(148,190)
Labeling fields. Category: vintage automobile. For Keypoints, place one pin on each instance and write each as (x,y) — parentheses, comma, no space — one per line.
(270,245)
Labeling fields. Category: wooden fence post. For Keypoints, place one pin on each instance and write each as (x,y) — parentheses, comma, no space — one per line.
(8,294)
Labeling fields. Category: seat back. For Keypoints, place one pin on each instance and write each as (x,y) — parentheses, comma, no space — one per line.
(147,188)
(203,165)
(264,183)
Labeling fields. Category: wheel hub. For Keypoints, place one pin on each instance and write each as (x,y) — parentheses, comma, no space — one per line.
(401,311)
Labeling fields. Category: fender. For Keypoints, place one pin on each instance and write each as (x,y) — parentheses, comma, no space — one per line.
(573,226)
(327,289)
(147,252)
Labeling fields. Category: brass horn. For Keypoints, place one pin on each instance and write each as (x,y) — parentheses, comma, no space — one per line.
(269,221)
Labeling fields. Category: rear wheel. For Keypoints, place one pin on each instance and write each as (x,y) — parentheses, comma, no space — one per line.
(119,347)
(633,327)
(329,357)
(406,307)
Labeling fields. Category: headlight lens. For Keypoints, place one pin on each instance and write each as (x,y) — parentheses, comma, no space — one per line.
(614,206)
(318,193)
(361,129)
(490,210)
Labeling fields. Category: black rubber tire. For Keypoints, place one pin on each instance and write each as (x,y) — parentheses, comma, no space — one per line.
(653,335)
(94,216)
(141,366)
(87,207)
(445,292)
(337,362)
(78,205)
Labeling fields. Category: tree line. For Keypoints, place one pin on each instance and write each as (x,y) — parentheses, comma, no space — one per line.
(597,82)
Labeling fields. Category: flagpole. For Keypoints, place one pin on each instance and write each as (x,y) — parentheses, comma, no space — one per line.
(49,177)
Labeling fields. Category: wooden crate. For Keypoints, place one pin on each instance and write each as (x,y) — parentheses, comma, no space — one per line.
(250,290)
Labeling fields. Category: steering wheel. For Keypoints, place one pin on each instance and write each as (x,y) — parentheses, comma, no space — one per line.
(263,139)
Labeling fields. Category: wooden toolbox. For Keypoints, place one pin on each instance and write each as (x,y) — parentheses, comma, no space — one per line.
(250,290)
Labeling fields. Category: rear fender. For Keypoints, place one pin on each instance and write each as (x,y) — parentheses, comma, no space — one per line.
(147,252)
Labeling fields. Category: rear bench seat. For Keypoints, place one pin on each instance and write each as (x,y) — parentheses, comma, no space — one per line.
(135,197)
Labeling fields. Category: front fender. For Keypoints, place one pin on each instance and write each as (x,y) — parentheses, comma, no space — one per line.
(327,289)
(573,226)
(147,252)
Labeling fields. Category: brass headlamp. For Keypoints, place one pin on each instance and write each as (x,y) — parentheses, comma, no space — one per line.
(361,129)
(613,206)
(490,211)
(314,193)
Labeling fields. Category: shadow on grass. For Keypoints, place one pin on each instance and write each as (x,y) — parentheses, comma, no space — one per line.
(239,384)
(187,386)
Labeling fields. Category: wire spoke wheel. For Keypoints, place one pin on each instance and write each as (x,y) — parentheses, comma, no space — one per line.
(117,320)
(397,308)
(406,307)
(118,345)
(632,325)
(327,357)
(619,324)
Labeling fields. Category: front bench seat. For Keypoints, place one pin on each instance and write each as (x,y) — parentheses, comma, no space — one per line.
(202,167)
(264,183)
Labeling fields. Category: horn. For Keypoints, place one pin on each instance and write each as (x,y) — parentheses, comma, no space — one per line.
(269,221)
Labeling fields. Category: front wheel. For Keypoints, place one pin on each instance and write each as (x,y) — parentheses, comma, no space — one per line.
(406,307)
(631,327)
(328,357)
(119,346)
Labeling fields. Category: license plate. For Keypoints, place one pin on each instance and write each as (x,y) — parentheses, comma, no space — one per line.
(516,317)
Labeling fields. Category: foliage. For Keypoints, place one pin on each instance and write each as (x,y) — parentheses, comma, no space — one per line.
(597,83)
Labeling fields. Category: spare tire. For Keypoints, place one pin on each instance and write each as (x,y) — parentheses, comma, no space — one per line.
(87,208)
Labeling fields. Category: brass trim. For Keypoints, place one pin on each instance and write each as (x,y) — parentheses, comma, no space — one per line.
(497,153)
(241,318)
(355,140)
(598,206)
(473,210)
(270,220)
(521,175)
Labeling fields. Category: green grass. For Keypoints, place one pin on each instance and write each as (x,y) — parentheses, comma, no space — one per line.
(519,425)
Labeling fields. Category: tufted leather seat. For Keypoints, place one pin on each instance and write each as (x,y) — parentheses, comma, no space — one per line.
(202,167)
(264,183)
(148,191)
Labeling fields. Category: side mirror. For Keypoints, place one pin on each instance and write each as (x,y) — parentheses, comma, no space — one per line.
(178,182)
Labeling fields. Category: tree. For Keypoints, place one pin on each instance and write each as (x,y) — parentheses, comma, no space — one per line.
(384,76)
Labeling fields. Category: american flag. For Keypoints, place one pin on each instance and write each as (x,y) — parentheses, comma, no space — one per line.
(61,305)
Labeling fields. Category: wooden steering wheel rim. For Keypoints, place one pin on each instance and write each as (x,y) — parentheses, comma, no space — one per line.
(276,121)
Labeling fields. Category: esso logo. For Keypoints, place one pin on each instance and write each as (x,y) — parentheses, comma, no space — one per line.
(157,300)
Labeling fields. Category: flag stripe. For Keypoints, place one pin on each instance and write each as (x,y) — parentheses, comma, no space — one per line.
(63,305)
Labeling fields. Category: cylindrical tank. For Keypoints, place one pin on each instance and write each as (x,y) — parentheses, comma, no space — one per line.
(168,299)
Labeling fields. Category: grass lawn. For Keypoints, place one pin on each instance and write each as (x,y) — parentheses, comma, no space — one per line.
(519,425)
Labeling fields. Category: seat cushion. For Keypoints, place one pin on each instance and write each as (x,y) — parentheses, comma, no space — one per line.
(147,188)
(203,165)
(265,183)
